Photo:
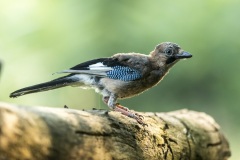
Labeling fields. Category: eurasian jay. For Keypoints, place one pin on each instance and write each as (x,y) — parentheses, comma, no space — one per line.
(122,75)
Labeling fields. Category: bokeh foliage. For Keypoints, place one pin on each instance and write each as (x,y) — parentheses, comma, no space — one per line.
(38,38)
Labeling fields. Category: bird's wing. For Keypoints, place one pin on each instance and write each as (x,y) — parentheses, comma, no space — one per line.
(106,67)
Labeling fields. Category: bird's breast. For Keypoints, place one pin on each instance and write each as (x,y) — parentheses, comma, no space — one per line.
(125,89)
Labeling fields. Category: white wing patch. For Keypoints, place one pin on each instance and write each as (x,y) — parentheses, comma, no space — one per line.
(95,69)
(91,72)
(99,66)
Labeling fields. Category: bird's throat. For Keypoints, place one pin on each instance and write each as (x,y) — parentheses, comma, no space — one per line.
(170,60)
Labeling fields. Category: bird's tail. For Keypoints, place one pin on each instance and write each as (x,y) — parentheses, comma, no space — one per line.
(56,83)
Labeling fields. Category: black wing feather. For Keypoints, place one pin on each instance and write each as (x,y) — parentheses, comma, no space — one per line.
(110,62)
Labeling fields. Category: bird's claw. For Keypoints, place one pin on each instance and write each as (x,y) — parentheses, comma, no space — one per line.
(125,111)
(139,115)
(139,118)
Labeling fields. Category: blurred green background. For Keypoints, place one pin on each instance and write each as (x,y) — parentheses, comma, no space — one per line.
(40,37)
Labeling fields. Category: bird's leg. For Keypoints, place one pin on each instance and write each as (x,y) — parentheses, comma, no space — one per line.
(122,107)
(111,102)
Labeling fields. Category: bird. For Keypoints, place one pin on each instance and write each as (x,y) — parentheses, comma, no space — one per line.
(120,76)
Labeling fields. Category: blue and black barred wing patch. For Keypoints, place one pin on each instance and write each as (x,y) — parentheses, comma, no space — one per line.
(123,73)
(105,67)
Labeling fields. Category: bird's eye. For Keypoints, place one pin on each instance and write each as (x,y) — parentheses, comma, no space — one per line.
(169,52)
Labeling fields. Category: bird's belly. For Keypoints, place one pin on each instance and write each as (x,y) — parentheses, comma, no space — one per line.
(124,89)
(129,92)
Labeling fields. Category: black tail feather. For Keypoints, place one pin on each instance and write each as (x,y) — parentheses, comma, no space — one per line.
(57,83)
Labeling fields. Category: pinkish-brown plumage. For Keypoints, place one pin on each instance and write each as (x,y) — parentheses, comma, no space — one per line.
(121,76)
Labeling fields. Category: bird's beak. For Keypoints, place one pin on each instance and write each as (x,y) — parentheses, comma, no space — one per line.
(183,55)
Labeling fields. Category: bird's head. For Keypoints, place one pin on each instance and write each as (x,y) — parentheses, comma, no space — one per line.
(168,53)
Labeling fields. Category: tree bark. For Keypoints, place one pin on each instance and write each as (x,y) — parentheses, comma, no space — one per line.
(41,133)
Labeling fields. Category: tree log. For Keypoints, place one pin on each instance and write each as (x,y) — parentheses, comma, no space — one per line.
(42,133)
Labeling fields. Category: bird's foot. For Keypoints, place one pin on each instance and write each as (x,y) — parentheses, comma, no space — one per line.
(125,111)
(122,107)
